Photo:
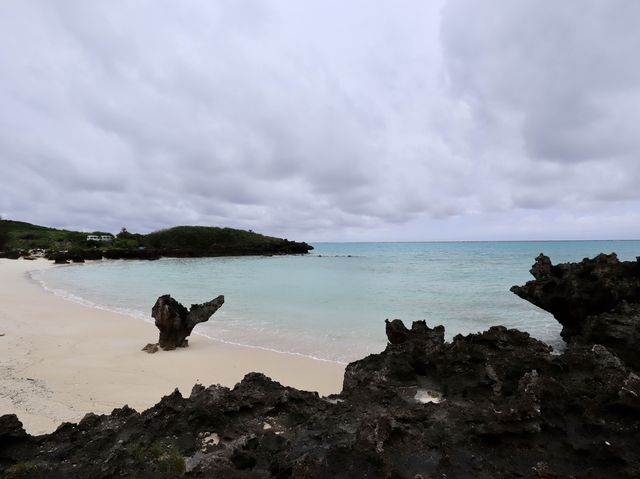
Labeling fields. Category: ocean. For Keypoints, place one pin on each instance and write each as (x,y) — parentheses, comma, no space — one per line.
(331,304)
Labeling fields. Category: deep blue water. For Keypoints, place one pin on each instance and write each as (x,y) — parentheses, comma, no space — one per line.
(332,303)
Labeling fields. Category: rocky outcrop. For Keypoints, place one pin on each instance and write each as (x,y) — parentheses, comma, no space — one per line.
(597,301)
(82,255)
(493,404)
(285,247)
(176,323)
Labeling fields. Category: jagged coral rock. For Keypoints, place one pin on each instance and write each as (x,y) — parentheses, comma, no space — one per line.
(501,406)
(597,301)
(176,323)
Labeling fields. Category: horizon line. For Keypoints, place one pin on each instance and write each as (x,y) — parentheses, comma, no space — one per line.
(475,241)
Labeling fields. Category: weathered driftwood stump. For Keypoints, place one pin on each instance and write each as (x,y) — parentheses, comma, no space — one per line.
(176,323)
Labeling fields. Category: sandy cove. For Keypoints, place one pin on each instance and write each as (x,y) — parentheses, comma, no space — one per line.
(60,360)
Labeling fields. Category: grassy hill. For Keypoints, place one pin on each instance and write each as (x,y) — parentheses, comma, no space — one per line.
(205,237)
(179,241)
(21,235)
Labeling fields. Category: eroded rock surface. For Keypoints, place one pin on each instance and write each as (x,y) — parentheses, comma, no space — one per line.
(493,404)
(176,323)
(597,301)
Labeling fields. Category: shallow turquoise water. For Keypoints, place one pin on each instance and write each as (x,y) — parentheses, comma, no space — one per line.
(332,304)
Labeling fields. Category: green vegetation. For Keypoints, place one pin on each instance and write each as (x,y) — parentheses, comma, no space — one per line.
(21,235)
(177,241)
(127,240)
(166,456)
(205,237)
(22,468)
(172,462)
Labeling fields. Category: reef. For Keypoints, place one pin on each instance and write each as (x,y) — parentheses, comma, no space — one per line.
(493,404)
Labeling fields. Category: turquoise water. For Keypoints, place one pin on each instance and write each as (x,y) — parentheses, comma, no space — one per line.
(332,303)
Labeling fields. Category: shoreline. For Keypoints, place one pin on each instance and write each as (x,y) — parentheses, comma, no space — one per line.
(62,359)
(136,315)
(71,297)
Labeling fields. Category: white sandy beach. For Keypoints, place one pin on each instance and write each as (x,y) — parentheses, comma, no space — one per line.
(60,360)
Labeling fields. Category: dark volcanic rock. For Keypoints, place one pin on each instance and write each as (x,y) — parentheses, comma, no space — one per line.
(494,404)
(597,301)
(77,255)
(146,254)
(11,429)
(176,323)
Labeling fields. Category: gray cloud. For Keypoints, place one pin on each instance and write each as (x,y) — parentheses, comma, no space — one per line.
(562,76)
(363,120)
(555,93)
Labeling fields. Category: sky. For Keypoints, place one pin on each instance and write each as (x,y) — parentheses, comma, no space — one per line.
(364,120)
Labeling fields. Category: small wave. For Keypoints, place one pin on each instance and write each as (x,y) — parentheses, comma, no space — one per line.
(68,296)
(273,350)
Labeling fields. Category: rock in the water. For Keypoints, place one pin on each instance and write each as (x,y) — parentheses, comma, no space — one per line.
(176,323)
(597,301)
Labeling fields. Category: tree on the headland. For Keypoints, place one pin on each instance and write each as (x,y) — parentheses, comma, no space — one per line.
(127,240)
(124,234)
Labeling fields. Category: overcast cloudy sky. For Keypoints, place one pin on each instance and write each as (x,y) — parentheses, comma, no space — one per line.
(324,120)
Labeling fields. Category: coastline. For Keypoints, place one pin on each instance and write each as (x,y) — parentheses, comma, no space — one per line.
(61,360)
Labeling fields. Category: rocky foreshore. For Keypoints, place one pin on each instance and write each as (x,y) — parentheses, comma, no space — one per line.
(494,404)
(82,255)
(79,256)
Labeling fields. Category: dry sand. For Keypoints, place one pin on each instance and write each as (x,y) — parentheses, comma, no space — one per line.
(60,360)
